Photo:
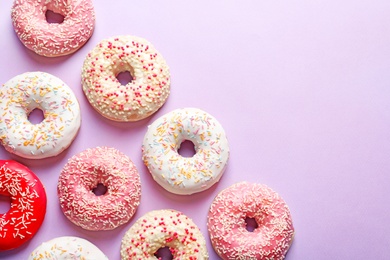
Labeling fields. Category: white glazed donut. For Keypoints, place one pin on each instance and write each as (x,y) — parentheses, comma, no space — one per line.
(139,98)
(178,174)
(66,248)
(26,92)
(164,228)
(53,39)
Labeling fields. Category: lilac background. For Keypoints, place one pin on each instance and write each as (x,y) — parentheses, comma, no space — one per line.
(301,87)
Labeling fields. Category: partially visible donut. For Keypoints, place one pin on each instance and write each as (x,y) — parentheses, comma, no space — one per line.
(53,39)
(186,175)
(138,99)
(164,228)
(84,172)
(28,204)
(227,227)
(67,248)
(38,90)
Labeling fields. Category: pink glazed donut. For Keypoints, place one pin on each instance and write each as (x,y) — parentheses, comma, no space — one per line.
(83,173)
(227,223)
(53,39)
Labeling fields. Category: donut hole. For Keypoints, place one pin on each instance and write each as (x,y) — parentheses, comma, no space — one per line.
(187,149)
(5,204)
(36,116)
(100,189)
(251,224)
(52,17)
(164,253)
(124,77)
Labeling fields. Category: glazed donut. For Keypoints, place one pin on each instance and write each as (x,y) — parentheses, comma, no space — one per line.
(53,39)
(38,90)
(227,227)
(138,99)
(83,173)
(164,228)
(183,175)
(63,248)
(28,204)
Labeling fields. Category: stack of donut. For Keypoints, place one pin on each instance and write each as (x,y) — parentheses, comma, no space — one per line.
(140,98)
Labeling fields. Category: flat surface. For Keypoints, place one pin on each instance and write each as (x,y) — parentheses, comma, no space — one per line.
(302,89)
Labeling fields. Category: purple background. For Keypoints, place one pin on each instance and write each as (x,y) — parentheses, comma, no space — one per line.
(302,89)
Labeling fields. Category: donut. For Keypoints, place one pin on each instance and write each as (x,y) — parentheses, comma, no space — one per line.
(53,39)
(67,247)
(185,175)
(139,98)
(227,216)
(28,204)
(38,90)
(165,228)
(84,172)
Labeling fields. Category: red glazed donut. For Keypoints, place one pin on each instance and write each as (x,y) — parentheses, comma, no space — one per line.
(53,39)
(28,204)
(83,172)
(227,223)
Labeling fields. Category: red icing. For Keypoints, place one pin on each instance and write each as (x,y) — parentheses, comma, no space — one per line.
(28,204)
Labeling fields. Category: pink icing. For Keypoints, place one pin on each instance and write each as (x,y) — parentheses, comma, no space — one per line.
(226,223)
(83,172)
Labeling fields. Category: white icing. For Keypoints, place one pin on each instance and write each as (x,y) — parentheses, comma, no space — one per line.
(181,175)
(67,248)
(26,92)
